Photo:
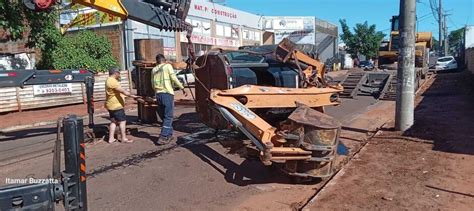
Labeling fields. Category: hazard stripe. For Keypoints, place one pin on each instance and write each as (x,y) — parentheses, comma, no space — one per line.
(83,178)
(83,167)
(82,156)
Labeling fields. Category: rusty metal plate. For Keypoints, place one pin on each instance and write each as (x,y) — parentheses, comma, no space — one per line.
(307,116)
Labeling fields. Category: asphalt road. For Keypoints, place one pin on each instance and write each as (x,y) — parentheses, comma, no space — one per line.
(197,172)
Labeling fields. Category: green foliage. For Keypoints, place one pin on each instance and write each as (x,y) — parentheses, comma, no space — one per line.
(435,44)
(85,49)
(43,34)
(11,18)
(456,37)
(364,41)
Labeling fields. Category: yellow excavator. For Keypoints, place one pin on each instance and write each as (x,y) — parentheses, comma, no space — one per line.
(388,53)
(276,98)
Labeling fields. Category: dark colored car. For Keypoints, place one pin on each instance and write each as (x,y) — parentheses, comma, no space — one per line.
(366,65)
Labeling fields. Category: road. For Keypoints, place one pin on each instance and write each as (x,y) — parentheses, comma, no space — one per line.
(197,172)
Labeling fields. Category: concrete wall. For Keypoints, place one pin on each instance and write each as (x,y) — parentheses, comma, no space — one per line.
(469,37)
(13,47)
(469,59)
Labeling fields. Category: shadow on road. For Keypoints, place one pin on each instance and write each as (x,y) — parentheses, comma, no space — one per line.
(28,133)
(189,123)
(249,171)
(444,116)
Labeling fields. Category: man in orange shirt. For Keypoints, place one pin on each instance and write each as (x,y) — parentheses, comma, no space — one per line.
(115,104)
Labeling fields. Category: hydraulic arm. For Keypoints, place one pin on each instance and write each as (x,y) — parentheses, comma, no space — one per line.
(286,124)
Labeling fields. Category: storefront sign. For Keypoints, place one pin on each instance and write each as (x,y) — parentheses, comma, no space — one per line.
(168,51)
(207,40)
(212,11)
(89,18)
(296,36)
(225,13)
(289,23)
(48,89)
(300,30)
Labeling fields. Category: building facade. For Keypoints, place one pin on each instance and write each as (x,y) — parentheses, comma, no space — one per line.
(218,26)
(469,48)
(305,30)
(214,26)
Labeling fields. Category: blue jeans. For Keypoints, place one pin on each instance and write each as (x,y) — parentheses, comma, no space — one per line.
(165,103)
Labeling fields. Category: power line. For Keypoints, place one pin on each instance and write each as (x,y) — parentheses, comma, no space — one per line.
(434,9)
(452,22)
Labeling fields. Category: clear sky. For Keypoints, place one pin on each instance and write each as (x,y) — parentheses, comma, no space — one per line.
(376,12)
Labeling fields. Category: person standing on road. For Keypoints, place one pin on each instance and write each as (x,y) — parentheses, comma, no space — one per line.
(115,104)
(163,78)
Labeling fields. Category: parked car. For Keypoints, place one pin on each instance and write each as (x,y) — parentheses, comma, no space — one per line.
(366,65)
(446,63)
(186,77)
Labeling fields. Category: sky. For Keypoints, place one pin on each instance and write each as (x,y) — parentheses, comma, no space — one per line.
(376,12)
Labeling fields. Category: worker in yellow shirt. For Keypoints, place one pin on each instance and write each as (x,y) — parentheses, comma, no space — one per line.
(163,78)
(114,103)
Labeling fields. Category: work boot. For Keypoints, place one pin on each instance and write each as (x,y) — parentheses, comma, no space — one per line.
(164,140)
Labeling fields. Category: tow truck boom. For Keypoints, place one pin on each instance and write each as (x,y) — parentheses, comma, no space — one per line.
(167,15)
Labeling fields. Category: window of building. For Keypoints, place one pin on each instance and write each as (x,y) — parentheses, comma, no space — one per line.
(246,34)
(202,27)
(219,30)
(268,24)
(257,36)
(251,35)
(206,28)
(227,31)
(235,32)
(197,26)
(197,48)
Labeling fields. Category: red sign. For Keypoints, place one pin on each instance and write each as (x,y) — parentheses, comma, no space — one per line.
(211,40)
(215,11)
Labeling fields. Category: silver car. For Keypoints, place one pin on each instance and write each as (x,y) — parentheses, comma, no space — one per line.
(446,63)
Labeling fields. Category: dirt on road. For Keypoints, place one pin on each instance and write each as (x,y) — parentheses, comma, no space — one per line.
(429,167)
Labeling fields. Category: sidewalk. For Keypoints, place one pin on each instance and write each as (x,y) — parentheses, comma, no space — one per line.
(39,117)
(429,167)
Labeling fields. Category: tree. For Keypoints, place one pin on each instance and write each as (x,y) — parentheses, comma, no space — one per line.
(85,49)
(456,37)
(435,46)
(17,21)
(88,51)
(364,41)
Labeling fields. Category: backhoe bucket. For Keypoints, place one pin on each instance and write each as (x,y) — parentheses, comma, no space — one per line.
(321,137)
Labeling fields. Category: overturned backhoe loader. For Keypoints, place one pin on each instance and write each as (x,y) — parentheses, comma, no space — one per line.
(277,100)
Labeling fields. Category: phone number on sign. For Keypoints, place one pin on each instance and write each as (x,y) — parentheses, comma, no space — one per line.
(55,90)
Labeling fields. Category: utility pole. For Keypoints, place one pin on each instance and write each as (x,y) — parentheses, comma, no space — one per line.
(445,29)
(405,105)
(440,22)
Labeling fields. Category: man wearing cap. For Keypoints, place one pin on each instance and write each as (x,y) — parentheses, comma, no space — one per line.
(163,78)
(115,103)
